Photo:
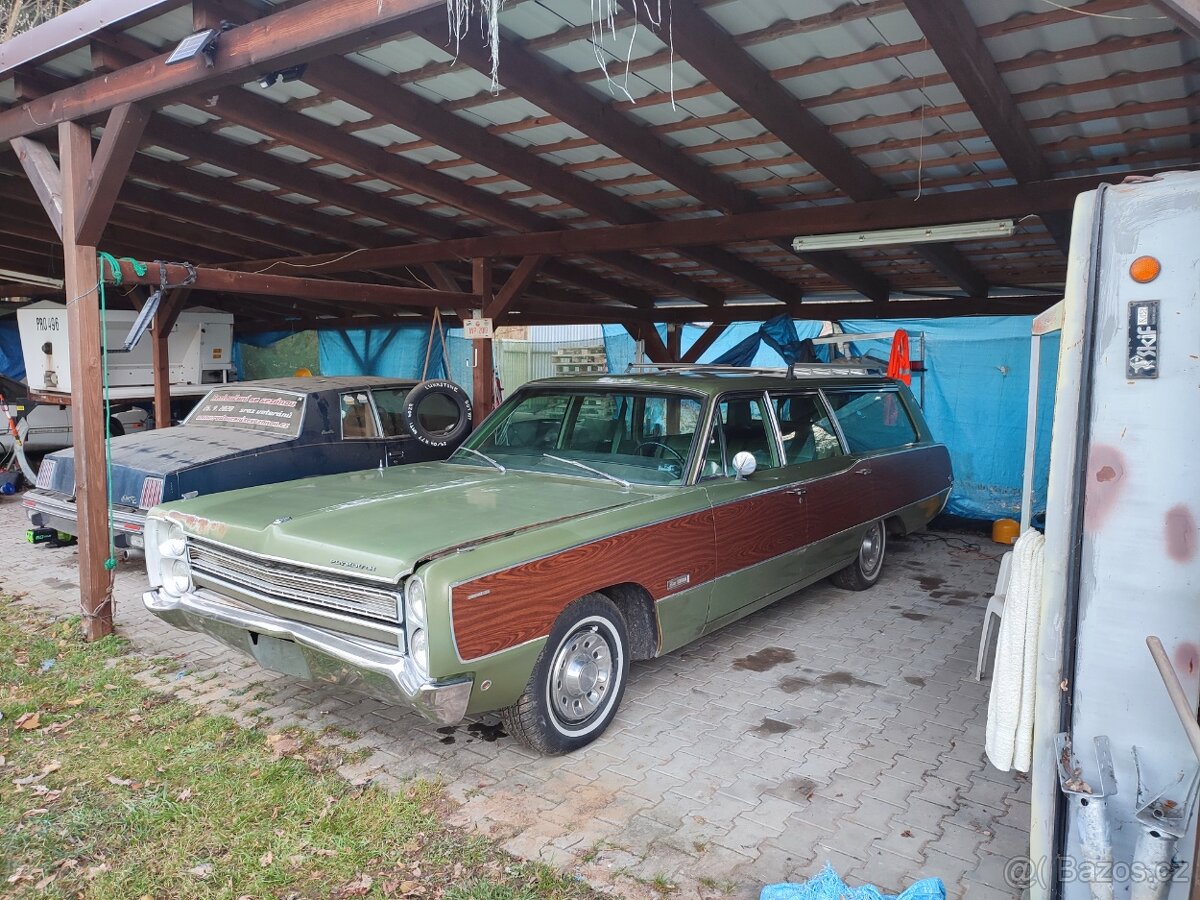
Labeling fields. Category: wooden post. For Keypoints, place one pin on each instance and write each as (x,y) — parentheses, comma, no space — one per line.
(165,317)
(674,342)
(87,401)
(484,375)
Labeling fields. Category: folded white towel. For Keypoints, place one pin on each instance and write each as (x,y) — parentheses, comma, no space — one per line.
(1009,738)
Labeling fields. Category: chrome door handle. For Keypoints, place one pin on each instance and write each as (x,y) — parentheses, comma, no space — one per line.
(862,472)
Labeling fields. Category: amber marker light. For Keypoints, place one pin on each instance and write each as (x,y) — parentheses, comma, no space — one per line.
(1144,269)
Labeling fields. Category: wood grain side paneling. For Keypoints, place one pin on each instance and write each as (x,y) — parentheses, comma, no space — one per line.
(522,603)
(516,605)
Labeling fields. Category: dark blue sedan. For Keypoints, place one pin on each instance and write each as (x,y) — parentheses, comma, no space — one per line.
(261,432)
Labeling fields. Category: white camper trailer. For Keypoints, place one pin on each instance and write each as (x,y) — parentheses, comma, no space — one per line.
(1116,673)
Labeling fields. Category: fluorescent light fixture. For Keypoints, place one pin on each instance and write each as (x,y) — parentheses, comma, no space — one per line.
(35,280)
(195,44)
(969,231)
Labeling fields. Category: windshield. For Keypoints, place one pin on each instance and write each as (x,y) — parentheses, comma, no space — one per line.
(251,409)
(634,437)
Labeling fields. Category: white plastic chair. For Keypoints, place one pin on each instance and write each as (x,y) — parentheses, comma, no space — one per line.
(991,621)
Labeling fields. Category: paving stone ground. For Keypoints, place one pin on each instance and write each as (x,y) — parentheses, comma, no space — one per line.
(833,726)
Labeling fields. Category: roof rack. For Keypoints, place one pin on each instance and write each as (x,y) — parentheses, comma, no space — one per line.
(795,370)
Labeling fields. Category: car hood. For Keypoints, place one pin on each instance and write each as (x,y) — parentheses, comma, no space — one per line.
(381,524)
(160,453)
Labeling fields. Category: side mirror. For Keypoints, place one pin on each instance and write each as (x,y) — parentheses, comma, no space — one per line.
(744,464)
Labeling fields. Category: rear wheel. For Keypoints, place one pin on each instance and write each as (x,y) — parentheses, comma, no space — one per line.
(868,565)
(577,682)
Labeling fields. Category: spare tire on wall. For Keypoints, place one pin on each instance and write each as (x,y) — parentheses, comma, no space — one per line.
(438,413)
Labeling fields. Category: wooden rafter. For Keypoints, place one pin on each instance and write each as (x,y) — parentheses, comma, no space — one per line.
(520,279)
(45,177)
(716,55)
(1185,14)
(707,338)
(955,39)
(109,168)
(291,36)
(379,97)
(576,106)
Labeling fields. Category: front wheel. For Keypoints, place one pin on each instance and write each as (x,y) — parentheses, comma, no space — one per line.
(868,564)
(577,682)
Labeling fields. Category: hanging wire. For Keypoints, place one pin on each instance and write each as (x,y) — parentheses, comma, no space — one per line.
(1096,15)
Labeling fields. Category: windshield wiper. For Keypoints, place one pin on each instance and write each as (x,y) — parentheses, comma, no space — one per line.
(573,462)
(484,457)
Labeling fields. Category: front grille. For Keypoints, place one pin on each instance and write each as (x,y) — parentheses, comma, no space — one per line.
(294,584)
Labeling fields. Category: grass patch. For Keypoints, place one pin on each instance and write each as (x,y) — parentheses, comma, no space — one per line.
(111,789)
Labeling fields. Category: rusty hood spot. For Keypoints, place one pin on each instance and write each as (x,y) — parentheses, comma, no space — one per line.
(1105,483)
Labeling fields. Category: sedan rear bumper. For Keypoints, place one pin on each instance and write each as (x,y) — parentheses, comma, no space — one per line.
(304,651)
(47,510)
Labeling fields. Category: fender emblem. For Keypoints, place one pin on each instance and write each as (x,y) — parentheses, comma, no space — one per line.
(678,581)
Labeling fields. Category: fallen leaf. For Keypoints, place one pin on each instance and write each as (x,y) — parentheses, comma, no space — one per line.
(325,852)
(30,813)
(201,871)
(358,887)
(906,833)
(282,745)
(110,687)
(77,701)
(93,871)
(45,882)
(266,859)
(119,782)
(29,721)
(184,796)
(136,720)
(296,860)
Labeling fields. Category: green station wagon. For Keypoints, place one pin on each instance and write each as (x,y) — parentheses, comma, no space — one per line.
(589,521)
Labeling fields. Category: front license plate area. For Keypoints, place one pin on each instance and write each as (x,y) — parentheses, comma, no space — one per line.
(279,655)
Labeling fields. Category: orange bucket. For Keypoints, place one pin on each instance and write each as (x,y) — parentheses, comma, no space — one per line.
(1005,531)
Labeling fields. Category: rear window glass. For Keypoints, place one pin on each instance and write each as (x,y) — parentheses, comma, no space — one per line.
(248,409)
(872,420)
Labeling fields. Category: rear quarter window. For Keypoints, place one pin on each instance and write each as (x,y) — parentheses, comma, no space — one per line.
(872,420)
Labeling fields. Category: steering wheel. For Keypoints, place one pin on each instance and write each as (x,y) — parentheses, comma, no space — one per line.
(668,448)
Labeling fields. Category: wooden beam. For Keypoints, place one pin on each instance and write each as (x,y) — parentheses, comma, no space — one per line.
(483,376)
(45,177)
(707,338)
(87,401)
(165,317)
(309,31)
(944,208)
(520,279)
(384,100)
(226,281)
(117,146)
(716,55)
(580,108)
(955,38)
(652,343)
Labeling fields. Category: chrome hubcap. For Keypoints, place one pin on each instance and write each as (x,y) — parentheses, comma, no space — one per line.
(581,675)
(870,555)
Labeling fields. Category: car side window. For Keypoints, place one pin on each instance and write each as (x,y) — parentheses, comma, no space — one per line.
(872,420)
(358,418)
(740,424)
(390,404)
(805,428)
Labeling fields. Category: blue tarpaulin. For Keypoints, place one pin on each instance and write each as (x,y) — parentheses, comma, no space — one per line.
(976,395)
(395,352)
(12,363)
(828,886)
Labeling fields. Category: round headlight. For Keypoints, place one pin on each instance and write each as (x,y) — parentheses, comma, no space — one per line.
(179,579)
(173,544)
(418,645)
(414,594)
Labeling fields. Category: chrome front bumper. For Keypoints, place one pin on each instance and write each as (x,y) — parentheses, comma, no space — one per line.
(304,651)
(46,510)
